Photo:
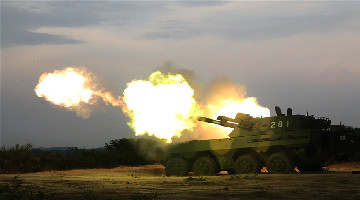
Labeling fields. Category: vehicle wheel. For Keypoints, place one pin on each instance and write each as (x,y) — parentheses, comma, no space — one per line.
(247,164)
(280,163)
(205,166)
(177,167)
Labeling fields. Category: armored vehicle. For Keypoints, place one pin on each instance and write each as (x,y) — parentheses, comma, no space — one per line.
(280,143)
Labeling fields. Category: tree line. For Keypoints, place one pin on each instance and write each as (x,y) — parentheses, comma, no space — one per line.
(128,152)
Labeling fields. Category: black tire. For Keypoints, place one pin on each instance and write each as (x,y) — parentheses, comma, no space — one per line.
(177,167)
(205,166)
(280,163)
(247,164)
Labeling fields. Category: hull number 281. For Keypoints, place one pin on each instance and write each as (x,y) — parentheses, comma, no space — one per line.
(279,124)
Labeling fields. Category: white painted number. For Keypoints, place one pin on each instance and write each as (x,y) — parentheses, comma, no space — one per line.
(279,124)
(272,125)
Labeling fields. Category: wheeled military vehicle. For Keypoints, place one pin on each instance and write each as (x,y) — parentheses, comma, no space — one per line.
(280,143)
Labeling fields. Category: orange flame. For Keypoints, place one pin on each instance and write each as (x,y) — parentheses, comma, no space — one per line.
(71,88)
(108,98)
(231,107)
(162,106)
(226,98)
(68,87)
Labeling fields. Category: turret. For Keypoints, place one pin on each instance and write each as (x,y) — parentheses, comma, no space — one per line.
(241,121)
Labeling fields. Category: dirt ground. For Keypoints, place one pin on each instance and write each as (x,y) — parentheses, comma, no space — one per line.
(150,182)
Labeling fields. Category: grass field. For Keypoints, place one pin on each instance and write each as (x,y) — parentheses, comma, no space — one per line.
(150,182)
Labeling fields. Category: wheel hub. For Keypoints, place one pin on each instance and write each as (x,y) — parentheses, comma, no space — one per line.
(246,166)
(203,167)
(279,165)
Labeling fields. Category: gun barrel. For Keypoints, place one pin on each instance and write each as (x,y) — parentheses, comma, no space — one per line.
(227,122)
(219,121)
(208,120)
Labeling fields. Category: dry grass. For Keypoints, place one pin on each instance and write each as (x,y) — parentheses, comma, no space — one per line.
(150,182)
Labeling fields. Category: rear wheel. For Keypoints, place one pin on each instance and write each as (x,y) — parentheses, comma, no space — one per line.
(177,167)
(205,166)
(280,163)
(247,164)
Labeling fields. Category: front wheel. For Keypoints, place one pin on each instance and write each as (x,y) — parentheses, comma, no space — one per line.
(280,163)
(177,167)
(205,166)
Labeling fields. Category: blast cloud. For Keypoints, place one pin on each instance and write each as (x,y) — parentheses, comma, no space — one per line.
(208,100)
(209,97)
(74,89)
(213,94)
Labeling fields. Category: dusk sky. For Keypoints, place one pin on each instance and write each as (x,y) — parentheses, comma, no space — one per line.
(303,55)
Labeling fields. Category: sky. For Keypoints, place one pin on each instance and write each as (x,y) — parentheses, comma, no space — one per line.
(303,55)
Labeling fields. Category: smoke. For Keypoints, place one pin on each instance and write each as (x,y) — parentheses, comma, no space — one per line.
(81,110)
(150,147)
(222,97)
(169,67)
(202,131)
(218,91)
(211,99)
(223,88)
(165,105)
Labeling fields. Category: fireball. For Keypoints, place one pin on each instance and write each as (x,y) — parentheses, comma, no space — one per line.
(162,105)
(72,87)
(231,107)
(68,87)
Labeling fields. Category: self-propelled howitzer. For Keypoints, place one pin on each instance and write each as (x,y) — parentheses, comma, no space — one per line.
(279,143)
